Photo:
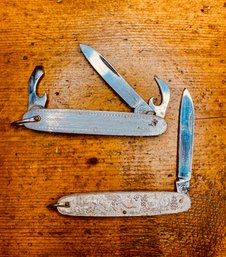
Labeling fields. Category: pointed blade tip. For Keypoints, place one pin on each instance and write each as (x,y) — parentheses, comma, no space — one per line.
(84,47)
(186,93)
(156,78)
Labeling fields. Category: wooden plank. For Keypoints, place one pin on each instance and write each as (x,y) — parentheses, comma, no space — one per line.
(181,42)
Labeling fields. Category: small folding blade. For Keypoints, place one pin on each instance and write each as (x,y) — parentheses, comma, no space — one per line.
(114,79)
(122,204)
(186,137)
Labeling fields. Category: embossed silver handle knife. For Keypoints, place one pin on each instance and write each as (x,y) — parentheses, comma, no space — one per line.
(122,204)
(142,203)
(147,119)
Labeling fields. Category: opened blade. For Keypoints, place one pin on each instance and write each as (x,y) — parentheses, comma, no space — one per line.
(113,78)
(186,138)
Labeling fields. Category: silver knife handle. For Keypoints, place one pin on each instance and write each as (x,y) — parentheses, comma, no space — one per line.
(123,204)
(93,122)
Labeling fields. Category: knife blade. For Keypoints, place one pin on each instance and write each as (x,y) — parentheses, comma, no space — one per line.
(121,87)
(186,138)
(113,78)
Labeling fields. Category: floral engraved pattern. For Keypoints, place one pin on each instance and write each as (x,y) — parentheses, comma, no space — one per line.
(112,204)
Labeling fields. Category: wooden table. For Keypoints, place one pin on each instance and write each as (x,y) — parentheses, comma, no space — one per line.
(183,42)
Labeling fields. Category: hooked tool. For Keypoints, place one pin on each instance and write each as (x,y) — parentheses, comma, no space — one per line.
(142,203)
(146,120)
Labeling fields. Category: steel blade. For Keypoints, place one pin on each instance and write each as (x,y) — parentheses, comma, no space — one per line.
(186,138)
(114,79)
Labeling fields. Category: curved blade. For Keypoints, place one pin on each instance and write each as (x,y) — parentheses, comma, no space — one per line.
(186,137)
(114,79)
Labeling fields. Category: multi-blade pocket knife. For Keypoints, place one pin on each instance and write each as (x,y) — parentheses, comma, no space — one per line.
(146,120)
(142,203)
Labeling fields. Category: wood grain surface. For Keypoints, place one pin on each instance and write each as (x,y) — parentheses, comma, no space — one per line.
(183,42)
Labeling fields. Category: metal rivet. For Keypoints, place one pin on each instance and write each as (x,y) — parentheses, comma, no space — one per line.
(67,204)
(37,118)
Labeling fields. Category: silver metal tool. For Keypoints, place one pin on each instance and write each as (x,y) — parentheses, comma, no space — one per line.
(142,203)
(186,138)
(147,119)
(122,88)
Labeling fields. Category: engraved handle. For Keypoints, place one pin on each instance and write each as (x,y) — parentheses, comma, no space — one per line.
(123,204)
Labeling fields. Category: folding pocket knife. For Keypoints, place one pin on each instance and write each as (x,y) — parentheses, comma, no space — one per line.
(142,203)
(147,119)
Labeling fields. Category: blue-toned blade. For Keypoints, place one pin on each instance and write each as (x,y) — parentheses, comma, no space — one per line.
(114,79)
(186,138)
